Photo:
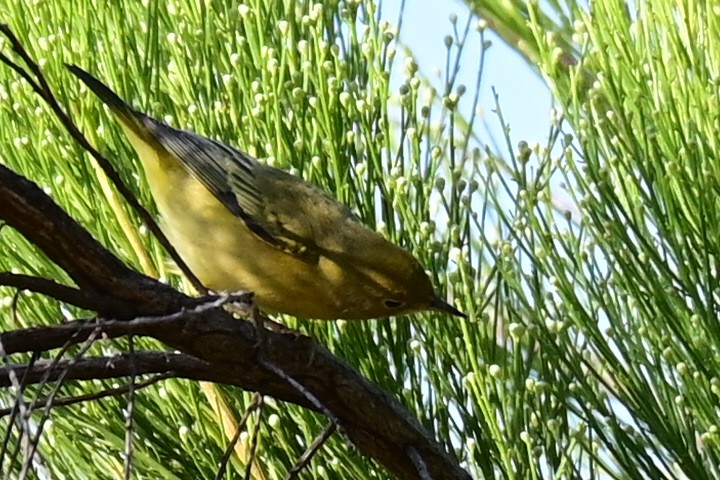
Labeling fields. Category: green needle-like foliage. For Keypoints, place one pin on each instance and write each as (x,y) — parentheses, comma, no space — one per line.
(608,247)
(586,261)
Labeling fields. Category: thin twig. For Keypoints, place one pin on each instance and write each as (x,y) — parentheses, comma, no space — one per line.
(256,401)
(36,458)
(35,440)
(420,465)
(110,392)
(254,442)
(20,71)
(130,411)
(42,88)
(19,406)
(301,389)
(56,360)
(13,412)
(314,447)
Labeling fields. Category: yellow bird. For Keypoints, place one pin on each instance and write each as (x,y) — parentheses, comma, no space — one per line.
(242,225)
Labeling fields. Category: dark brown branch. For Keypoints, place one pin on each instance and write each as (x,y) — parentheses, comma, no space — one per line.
(110,392)
(231,341)
(98,368)
(96,302)
(46,338)
(219,348)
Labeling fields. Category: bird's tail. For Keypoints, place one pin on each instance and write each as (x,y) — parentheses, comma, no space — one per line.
(130,118)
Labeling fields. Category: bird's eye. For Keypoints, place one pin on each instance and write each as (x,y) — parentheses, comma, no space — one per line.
(393,304)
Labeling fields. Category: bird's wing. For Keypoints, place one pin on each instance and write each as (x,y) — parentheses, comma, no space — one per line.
(282,210)
(231,176)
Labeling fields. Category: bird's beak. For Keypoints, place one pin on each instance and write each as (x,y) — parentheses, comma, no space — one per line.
(442,306)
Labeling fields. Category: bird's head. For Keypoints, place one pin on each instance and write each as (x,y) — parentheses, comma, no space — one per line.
(394,283)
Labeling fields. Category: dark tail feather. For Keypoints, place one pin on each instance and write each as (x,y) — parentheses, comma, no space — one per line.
(125,113)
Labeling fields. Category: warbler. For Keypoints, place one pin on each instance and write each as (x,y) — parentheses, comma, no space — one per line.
(242,225)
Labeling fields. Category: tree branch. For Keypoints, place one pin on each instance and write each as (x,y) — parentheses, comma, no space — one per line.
(98,368)
(88,300)
(66,401)
(219,348)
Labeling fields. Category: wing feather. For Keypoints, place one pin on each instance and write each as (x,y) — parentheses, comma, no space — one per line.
(227,173)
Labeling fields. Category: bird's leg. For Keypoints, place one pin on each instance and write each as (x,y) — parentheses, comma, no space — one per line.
(259,320)
(277,327)
(249,309)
